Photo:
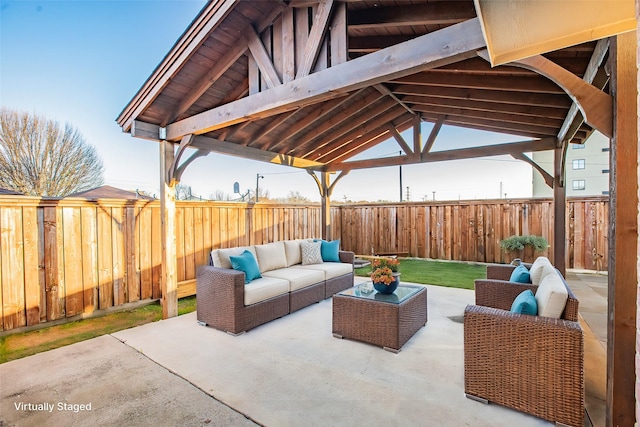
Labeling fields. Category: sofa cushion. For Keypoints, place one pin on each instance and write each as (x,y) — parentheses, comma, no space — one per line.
(536,269)
(311,253)
(520,274)
(246,263)
(292,252)
(525,303)
(264,288)
(271,256)
(220,257)
(330,269)
(329,250)
(298,278)
(551,296)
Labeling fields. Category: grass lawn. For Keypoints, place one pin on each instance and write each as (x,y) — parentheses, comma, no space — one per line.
(16,346)
(25,344)
(441,273)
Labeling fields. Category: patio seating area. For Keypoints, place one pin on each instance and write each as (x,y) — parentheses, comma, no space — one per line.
(290,371)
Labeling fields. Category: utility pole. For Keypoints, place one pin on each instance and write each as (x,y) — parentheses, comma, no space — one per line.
(258,176)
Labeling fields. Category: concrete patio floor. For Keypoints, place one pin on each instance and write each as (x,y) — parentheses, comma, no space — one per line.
(288,372)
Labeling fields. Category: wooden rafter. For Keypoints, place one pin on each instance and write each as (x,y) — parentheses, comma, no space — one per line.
(431,50)
(316,37)
(385,91)
(439,156)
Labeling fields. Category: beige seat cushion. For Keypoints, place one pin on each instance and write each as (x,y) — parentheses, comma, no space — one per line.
(220,257)
(536,270)
(271,256)
(264,288)
(330,269)
(298,278)
(551,296)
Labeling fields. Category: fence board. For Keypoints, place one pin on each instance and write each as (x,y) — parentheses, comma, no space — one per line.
(65,257)
(89,258)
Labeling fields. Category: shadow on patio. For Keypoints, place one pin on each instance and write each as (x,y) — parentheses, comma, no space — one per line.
(291,371)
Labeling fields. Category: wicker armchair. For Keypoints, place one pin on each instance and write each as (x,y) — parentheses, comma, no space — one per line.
(530,363)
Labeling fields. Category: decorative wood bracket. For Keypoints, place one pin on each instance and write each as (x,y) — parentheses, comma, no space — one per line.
(548,178)
(326,191)
(595,105)
(172,172)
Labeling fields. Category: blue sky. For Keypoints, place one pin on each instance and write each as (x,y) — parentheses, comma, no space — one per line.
(81,62)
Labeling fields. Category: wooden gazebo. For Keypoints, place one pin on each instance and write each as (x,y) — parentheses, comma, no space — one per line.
(311,84)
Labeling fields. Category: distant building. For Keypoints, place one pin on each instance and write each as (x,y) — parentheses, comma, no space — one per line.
(587,169)
(108,192)
(7,192)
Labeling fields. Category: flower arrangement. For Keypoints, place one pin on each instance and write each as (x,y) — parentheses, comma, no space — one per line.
(383,269)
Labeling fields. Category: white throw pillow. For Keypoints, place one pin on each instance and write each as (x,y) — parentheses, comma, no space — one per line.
(271,256)
(551,296)
(311,253)
(536,269)
(220,257)
(293,252)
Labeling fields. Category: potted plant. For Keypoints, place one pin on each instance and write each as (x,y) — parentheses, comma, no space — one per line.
(385,275)
(523,247)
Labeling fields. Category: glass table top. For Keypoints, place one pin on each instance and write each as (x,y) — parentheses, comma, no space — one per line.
(399,295)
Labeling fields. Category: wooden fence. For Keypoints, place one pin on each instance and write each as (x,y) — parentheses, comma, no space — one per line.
(61,259)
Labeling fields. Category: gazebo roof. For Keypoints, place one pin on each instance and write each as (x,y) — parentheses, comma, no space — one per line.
(312,84)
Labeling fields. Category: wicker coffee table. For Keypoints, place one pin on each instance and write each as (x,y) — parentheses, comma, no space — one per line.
(385,320)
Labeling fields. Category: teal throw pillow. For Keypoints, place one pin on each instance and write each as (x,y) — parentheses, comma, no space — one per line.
(525,303)
(520,274)
(246,262)
(329,251)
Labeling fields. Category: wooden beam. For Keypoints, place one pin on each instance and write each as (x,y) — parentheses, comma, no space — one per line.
(599,53)
(432,50)
(385,91)
(595,105)
(441,156)
(169,277)
(548,178)
(417,135)
(339,38)
(399,139)
(231,149)
(316,37)
(623,236)
(262,58)
(559,209)
(288,46)
(435,130)
(145,130)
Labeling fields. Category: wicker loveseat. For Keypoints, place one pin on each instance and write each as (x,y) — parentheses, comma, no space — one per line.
(530,363)
(224,301)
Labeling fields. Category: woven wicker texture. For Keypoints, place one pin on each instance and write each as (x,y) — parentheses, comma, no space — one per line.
(530,363)
(220,298)
(379,323)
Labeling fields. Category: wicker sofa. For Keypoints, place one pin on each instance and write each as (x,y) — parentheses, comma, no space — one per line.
(225,302)
(533,364)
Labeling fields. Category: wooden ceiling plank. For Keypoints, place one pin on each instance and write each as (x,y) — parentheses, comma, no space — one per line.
(348,123)
(435,49)
(449,12)
(533,84)
(525,110)
(558,100)
(377,124)
(217,146)
(219,69)
(316,37)
(365,141)
(550,124)
(341,117)
(317,112)
(260,55)
(448,155)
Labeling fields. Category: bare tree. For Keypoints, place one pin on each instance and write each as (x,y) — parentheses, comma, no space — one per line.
(183,192)
(40,158)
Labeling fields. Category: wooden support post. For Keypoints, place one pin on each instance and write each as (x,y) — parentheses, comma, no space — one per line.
(168,224)
(326,206)
(623,235)
(559,210)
